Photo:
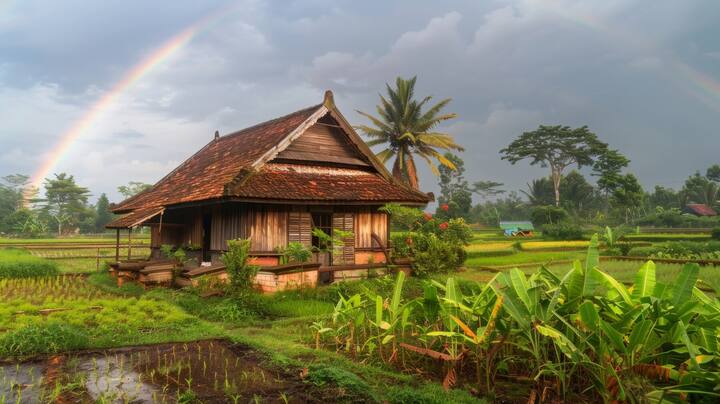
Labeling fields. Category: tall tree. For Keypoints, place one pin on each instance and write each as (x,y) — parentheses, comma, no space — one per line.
(103,215)
(408,130)
(663,197)
(133,188)
(556,147)
(455,196)
(11,197)
(65,201)
(539,192)
(578,193)
(628,195)
(699,189)
(608,167)
(713,173)
(487,189)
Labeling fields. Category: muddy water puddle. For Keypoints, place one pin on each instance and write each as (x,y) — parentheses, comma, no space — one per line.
(203,371)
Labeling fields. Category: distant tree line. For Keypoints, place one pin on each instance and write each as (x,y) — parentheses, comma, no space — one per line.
(61,207)
(406,127)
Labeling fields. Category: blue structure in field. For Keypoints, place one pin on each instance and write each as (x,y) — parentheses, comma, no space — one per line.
(521,229)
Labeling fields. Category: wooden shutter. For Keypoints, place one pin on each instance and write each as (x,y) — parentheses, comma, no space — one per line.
(345,222)
(300,228)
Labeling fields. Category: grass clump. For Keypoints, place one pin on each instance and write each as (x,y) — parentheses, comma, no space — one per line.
(20,264)
(43,338)
(351,388)
(428,393)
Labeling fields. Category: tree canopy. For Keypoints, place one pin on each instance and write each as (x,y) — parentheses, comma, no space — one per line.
(133,188)
(64,201)
(557,147)
(407,129)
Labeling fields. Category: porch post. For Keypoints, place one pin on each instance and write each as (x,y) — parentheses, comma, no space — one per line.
(117,245)
(129,242)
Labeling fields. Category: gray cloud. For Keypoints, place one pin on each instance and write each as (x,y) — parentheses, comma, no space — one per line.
(508,65)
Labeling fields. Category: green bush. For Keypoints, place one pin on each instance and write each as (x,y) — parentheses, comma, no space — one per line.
(435,245)
(641,251)
(296,252)
(680,250)
(42,339)
(19,264)
(236,259)
(562,231)
(675,218)
(715,234)
(549,214)
(401,244)
(433,255)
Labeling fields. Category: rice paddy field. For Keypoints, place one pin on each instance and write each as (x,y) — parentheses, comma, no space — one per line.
(73,336)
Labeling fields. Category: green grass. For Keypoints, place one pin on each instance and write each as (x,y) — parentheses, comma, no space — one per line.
(106,319)
(140,239)
(655,237)
(15,263)
(522,257)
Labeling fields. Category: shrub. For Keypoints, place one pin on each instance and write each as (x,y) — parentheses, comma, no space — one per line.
(436,246)
(295,252)
(403,218)
(562,231)
(549,214)
(675,218)
(435,255)
(401,244)
(20,264)
(715,233)
(42,339)
(236,259)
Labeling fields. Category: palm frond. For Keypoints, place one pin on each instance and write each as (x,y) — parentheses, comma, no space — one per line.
(385,155)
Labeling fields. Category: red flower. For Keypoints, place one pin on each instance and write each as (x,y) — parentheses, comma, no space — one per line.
(408,241)
(428,216)
(445,207)
(443,226)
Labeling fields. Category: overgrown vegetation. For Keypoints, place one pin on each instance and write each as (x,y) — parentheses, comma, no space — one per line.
(240,271)
(583,334)
(435,246)
(16,263)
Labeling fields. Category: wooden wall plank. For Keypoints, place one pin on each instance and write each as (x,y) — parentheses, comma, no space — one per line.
(323,143)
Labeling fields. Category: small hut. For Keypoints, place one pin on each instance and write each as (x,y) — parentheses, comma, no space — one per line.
(517,228)
(274,183)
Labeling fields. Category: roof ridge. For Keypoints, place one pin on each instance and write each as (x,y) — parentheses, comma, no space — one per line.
(269,122)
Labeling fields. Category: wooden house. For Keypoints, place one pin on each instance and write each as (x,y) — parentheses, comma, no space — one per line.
(273,183)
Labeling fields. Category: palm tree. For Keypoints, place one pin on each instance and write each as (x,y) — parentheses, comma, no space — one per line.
(407,131)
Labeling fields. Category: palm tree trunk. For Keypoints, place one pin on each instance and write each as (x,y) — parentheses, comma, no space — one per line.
(411,170)
(397,171)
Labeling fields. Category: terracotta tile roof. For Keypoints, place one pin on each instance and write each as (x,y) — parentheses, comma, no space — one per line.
(320,183)
(701,209)
(205,174)
(225,168)
(134,218)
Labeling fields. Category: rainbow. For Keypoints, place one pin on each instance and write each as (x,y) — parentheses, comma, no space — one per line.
(135,74)
(696,83)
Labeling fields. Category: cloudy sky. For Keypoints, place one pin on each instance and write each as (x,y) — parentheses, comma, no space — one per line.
(644,75)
